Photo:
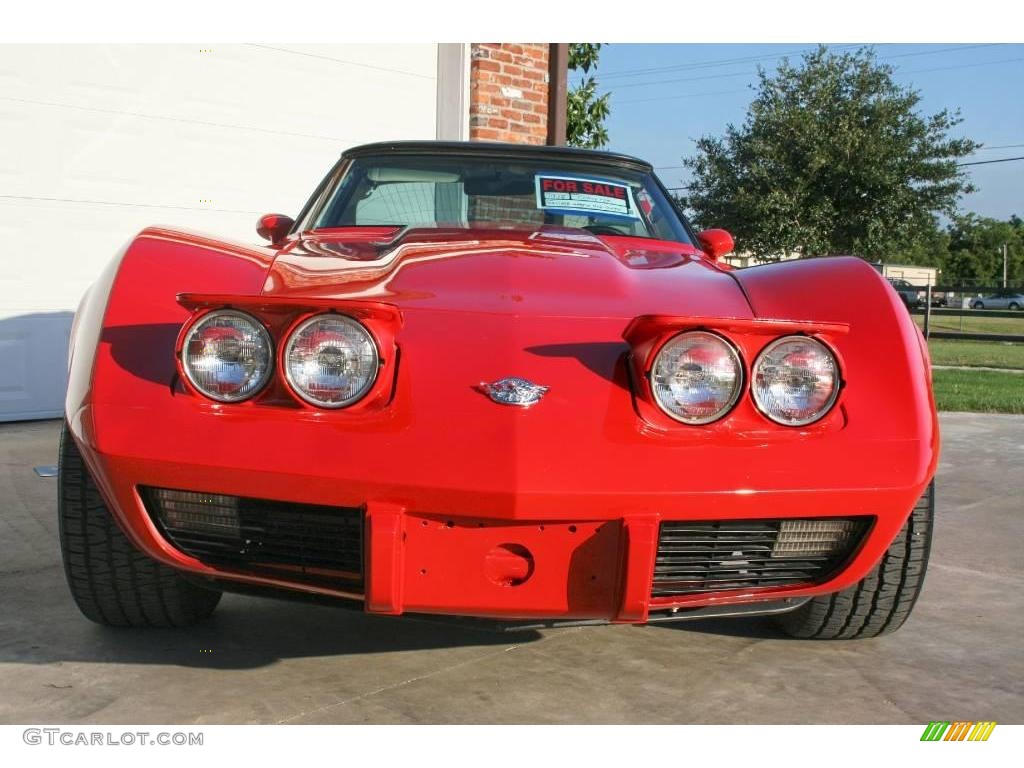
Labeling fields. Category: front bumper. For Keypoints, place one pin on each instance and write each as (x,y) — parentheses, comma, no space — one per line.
(430,549)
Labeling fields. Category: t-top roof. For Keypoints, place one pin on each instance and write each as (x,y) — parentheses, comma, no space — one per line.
(498,150)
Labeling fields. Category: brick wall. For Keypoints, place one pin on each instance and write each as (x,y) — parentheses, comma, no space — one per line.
(508,92)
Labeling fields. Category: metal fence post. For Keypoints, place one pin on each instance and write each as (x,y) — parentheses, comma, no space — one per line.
(927,308)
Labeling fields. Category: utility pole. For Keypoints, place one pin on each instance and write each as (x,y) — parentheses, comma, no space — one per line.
(1004,265)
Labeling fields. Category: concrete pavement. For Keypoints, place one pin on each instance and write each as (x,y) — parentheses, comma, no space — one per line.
(262,661)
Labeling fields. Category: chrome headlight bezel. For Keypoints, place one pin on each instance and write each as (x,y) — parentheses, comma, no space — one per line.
(738,387)
(293,335)
(825,409)
(262,332)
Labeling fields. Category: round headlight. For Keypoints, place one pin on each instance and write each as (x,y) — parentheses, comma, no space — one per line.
(330,361)
(796,380)
(697,377)
(227,355)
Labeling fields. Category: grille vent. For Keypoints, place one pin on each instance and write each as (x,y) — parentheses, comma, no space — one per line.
(700,557)
(304,543)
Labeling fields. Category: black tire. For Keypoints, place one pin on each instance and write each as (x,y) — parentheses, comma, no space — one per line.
(1014,306)
(112,582)
(977,305)
(882,600)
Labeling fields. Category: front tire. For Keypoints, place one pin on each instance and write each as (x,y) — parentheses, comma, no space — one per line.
(977,305)
(1014,306)
(111,581)
(881,601)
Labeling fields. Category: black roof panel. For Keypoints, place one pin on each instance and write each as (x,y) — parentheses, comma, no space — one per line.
(498,149)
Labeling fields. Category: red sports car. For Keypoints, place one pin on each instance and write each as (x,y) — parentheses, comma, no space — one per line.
(495,381)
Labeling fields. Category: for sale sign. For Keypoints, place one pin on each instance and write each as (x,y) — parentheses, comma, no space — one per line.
(584,196)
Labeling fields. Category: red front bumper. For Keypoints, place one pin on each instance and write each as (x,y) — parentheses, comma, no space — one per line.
(492,547)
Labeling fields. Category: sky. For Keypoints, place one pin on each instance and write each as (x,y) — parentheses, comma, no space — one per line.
(666,96)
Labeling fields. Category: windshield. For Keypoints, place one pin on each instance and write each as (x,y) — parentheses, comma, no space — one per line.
(460,191)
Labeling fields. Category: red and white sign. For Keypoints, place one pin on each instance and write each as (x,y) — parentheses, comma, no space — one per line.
(585,196)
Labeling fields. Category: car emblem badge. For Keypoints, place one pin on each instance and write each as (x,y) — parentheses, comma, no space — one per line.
(514,391)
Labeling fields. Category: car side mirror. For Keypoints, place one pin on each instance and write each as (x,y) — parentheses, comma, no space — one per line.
(274,227)
(716,243)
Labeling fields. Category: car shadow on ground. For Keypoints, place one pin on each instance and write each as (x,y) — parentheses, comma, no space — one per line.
(752,627)
(247,633)
(243,633)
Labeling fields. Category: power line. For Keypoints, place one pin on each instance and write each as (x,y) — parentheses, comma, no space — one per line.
(677,96)
(959,165)
(978,162)
(704,64)
(980,149)
(770,57)
(719,76)
(933,51)
(682,96)
(964,66)
(767,57)
(750,74)
(988,162)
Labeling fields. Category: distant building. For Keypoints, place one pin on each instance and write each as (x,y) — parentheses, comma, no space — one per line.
(912,274)
(747,259)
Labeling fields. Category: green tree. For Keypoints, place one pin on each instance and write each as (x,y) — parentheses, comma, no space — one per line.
(833,157)
(976,251)
(930,249)
(586,110)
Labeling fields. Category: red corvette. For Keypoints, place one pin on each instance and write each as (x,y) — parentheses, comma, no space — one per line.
(495,381)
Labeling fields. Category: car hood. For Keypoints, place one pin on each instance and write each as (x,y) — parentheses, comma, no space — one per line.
(543,272)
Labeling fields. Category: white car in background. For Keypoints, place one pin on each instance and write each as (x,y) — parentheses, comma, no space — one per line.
(1006,299)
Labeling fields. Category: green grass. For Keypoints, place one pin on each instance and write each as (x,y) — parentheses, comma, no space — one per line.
(979,391)
(975,323)
(989,354)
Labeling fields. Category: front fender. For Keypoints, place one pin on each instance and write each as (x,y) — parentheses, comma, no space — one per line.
(124,331)
(886,373)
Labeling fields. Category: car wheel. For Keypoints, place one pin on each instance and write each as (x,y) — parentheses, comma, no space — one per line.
(112,582)
(881,601)
(1014,306)
(977,305)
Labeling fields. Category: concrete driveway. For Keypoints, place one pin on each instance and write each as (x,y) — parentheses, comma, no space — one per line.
(958,657)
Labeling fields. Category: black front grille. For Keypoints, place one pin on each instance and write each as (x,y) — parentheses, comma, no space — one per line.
(700,557)
(304,543)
